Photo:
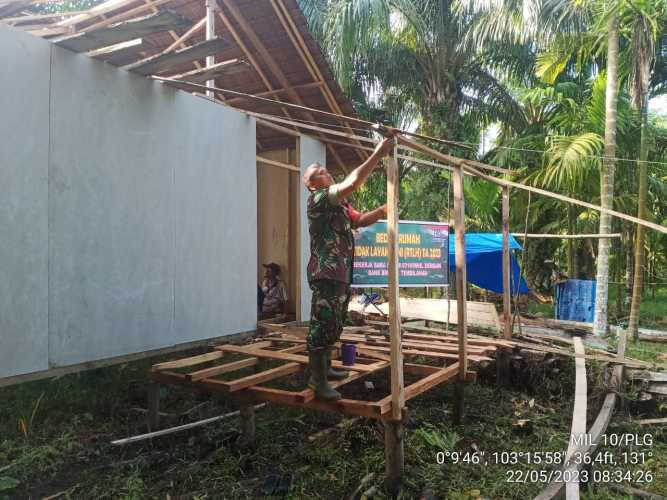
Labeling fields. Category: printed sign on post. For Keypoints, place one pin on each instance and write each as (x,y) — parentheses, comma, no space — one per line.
(423,249)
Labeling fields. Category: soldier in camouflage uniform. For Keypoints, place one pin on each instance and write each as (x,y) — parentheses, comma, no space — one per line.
(330,223)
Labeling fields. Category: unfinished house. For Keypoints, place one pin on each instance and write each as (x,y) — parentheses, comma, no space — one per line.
(135,215)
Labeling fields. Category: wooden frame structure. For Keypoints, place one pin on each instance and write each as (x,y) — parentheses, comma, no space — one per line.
(108,32)
(287,346)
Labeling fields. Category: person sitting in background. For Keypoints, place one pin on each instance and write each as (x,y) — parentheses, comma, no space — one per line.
(275,293)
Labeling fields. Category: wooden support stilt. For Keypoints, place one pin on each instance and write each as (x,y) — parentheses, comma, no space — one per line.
(507,308)
(397,397)
(153,405)
(247,417)
(394,456)
(394,429)
(461,287)
(502,358)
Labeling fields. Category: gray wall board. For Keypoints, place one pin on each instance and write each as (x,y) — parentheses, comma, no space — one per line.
(127,215)
(216,225)
(111,211)
(24,128)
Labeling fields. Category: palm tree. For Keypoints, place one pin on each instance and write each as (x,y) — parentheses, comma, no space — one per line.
(415,51)
(644,33)
(607,178)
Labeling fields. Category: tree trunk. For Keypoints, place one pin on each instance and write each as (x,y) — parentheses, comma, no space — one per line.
(629,265)
(638,284)
(571,248)
(607,179)
(618,276)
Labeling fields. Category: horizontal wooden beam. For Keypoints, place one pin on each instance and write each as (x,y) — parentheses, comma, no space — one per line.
(179,41)
(277,128)
(219,370)
(566,236)
(467,165)
(254,379)
(262,353)
(38,17)
(122,32)
(114,49)
(347,406)
(191,361)
(269,93)
(164,62)
(275,163)
(430,381)
(230,67)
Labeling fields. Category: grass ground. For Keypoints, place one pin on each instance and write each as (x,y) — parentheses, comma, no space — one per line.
(55,434)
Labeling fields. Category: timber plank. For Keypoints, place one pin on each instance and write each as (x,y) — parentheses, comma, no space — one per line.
(254,379)
(164,62)
(261,353)
(231,67)
(430,381)
(479,314)
(219,370)
(191,361)
(124,31)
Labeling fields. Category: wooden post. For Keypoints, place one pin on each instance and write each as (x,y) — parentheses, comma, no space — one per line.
(394,429)
(502,357)
(461,286)
(298,295)
(397,397)
(393,455)
(153,406)
(210,34)
(247,417)
(507,308)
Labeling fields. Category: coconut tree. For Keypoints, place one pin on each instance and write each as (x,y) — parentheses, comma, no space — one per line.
(647,25)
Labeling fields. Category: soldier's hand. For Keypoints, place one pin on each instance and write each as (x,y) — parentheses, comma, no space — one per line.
(385,146)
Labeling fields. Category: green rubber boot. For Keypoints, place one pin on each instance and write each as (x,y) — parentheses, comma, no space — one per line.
(318,376)
(332,373)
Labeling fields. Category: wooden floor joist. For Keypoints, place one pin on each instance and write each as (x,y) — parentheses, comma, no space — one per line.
(372,357)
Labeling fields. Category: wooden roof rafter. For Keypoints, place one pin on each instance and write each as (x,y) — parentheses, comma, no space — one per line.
(307,58)
(268,36)
(268,60)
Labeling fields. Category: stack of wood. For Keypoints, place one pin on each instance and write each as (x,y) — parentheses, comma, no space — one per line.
(651,383)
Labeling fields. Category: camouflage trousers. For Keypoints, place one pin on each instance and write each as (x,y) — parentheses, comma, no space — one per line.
(328,312)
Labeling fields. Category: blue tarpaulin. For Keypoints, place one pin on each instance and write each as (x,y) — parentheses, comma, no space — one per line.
(575,300)
(484,261)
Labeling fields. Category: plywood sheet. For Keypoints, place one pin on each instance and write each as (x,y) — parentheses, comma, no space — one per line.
(480,314)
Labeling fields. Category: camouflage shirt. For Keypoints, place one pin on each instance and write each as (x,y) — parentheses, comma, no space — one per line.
(331,239)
